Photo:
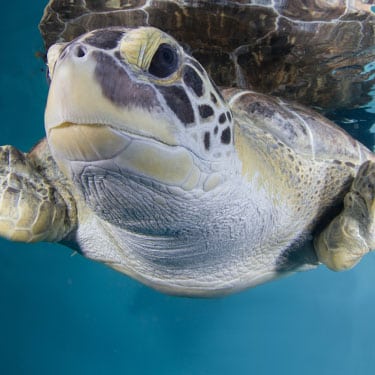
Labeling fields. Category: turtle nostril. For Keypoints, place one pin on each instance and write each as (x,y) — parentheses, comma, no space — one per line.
(80,51)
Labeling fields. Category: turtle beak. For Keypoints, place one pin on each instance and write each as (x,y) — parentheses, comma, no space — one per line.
(77,117)
(73,95)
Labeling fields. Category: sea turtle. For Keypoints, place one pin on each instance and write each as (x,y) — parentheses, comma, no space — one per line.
(318,53)
(150,168)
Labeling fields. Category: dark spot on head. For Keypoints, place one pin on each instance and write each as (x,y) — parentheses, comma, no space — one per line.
(337,162)
(178,102)
(117,86)
(229,116)
(192,80)
(350,164)
(226,136)
(206,140)
(205,111)
(213,98)
(222,118)
(105,39)
(216,129)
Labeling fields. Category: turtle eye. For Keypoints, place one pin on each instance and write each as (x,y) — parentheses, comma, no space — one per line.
(164,62)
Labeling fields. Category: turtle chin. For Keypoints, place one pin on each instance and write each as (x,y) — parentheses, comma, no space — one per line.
(77,146)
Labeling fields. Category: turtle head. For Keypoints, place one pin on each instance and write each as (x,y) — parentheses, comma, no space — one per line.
(133,99)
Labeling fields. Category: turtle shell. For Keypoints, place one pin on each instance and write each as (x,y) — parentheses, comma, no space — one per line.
(320,53)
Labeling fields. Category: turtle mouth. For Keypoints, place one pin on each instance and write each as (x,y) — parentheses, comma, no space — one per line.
(87,142)
(121,152)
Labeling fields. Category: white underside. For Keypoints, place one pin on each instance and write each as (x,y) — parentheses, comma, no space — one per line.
(215,266)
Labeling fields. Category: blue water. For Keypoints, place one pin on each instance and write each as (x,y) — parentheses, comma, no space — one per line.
(66,315)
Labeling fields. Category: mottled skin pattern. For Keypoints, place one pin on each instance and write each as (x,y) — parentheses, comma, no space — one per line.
(311,51)
(149,168)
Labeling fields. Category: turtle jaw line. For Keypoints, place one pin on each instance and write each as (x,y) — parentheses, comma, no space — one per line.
(122,130)
(127,132)
(75,146)
(86,142)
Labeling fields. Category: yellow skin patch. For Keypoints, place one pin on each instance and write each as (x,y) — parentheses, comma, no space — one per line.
(265,172)
(138,47)
(166,164)
(87,142)
(173,166)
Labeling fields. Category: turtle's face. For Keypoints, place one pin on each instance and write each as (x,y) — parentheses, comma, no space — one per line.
(132,97)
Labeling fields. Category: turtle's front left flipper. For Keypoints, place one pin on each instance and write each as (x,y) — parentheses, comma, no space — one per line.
(351,234)
(31,207)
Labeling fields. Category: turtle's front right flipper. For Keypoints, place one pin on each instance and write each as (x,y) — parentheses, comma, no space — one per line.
(351,234)
(31,207)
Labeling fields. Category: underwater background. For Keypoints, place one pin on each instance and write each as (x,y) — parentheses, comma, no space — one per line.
(63,314)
